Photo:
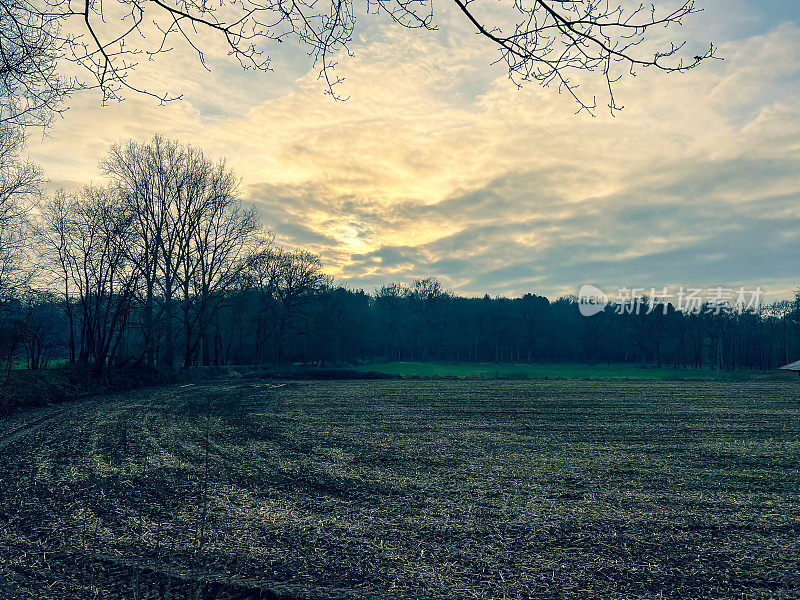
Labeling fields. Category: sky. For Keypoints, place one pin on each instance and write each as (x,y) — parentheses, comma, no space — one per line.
(436,165)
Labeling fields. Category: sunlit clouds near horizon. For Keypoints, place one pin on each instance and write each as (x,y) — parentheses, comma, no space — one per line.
(437,165)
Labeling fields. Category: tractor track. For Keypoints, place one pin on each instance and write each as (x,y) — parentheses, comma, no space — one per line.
(30,425)
(117,576)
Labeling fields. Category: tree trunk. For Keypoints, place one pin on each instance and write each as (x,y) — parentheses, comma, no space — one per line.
(149,328)
(169,349)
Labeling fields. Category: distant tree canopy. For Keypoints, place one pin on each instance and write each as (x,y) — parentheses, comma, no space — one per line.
(284,309)
(51,48)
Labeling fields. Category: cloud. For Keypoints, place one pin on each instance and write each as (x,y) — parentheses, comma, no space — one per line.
(438,165)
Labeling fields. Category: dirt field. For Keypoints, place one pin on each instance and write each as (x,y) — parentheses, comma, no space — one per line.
(406,489)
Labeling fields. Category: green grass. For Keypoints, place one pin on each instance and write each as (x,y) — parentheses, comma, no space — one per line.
(20,364)
(401,489)
(559,371)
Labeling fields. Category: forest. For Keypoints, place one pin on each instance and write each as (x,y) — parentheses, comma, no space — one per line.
(167,266)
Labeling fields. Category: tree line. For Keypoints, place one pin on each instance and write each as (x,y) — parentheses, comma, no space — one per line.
(165,266)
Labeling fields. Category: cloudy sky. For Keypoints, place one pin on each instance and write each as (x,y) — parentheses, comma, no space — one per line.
(438,166)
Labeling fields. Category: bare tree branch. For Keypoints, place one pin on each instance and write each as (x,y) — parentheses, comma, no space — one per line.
(552,41)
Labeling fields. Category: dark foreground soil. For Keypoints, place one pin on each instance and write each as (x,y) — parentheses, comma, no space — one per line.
(406,489)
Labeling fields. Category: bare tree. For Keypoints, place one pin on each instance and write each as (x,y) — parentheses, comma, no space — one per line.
(285,281)
(214,248)
(92,232)
(151,179)
(260,278)
(53,231)
(548,41)
(31,43)
(554,40)
(299,277)
(780,312)
(389,303)
(191,235)
(41,327)
(20,183)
